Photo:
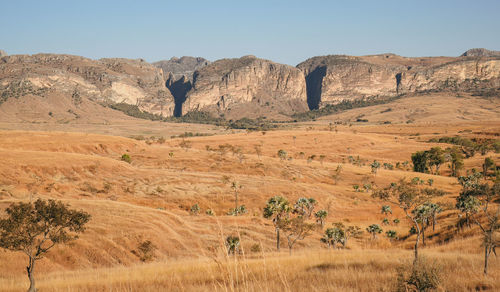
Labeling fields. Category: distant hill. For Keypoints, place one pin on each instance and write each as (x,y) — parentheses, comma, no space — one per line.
(480,52)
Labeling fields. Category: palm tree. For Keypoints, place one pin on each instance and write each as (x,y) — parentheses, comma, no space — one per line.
(391,234)
(321,216)
(386,209)
(374,229)
(232,244)
(278,209)
(305,206)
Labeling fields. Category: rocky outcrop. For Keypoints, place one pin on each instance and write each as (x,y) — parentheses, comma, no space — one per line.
(480,52)
(184,66)
(2,53)
(107,80)
(331,79)
(248,80)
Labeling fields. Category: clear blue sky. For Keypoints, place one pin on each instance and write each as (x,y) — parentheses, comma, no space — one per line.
(284,31)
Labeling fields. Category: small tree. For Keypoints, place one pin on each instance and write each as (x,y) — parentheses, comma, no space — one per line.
(487,165)
(386,209)
(34,228)
(258,150)
(435,157)
(455,157)
(374,229)
(304,207)
(185,144)
(278,209)
(235,186)
(351,231)
(297,229)
(408,197)
(484,214)
(419,160)
(195,209)
(282,154)
(321,216)
(385,221)
(375,166)
(333,236)
(396,221)
(232,244)
(336,174)
(391,234)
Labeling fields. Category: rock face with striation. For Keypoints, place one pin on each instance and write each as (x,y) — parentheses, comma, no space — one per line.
(107,80)
(247,81)
(331,79)
(184,66)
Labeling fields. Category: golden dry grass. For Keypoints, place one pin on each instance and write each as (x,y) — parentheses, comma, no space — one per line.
(150,198)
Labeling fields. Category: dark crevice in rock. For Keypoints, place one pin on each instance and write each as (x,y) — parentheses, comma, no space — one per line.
(179,89)
(314,83)
(398,82)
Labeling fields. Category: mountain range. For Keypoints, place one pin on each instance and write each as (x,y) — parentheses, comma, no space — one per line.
(45,87)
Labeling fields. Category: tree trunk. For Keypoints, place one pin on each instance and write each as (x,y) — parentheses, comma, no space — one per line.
(486,254)
(236,203)
(423,236)
(416,248)
(277,238)
(30,269)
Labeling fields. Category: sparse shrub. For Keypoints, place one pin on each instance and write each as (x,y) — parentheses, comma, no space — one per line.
(391,234)
(282,154)
(210,212)
(146,251)
(195,209)
(125,157)
(232,244)
(396,221)
(385,221)
(430,182)
(422,275)
(256,247)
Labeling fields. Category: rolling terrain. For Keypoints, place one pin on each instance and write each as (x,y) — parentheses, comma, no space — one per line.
(150,199)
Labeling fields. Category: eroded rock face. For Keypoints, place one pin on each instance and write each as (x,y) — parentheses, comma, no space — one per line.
(107,80)
(331,79)
(2,53)
(247,80)
(184,66)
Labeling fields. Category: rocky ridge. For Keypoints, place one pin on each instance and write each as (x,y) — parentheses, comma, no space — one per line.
(242,87)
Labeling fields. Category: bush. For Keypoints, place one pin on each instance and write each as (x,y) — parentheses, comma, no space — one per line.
(126,158)
(423,275)
(256,248)
(145,251)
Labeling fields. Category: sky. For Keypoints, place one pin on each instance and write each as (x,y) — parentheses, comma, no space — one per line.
(283,31)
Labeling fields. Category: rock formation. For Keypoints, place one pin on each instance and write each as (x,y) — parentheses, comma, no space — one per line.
(2,53)
(331,79)
(184,66)
(480,52)
(243,87)
(107,80)
(248,80)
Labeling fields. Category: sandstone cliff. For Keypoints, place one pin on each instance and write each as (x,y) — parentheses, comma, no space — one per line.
(235,84)
(331,79)
(76,78)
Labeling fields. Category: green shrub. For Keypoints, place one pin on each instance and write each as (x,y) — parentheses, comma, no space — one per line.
(126,158)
